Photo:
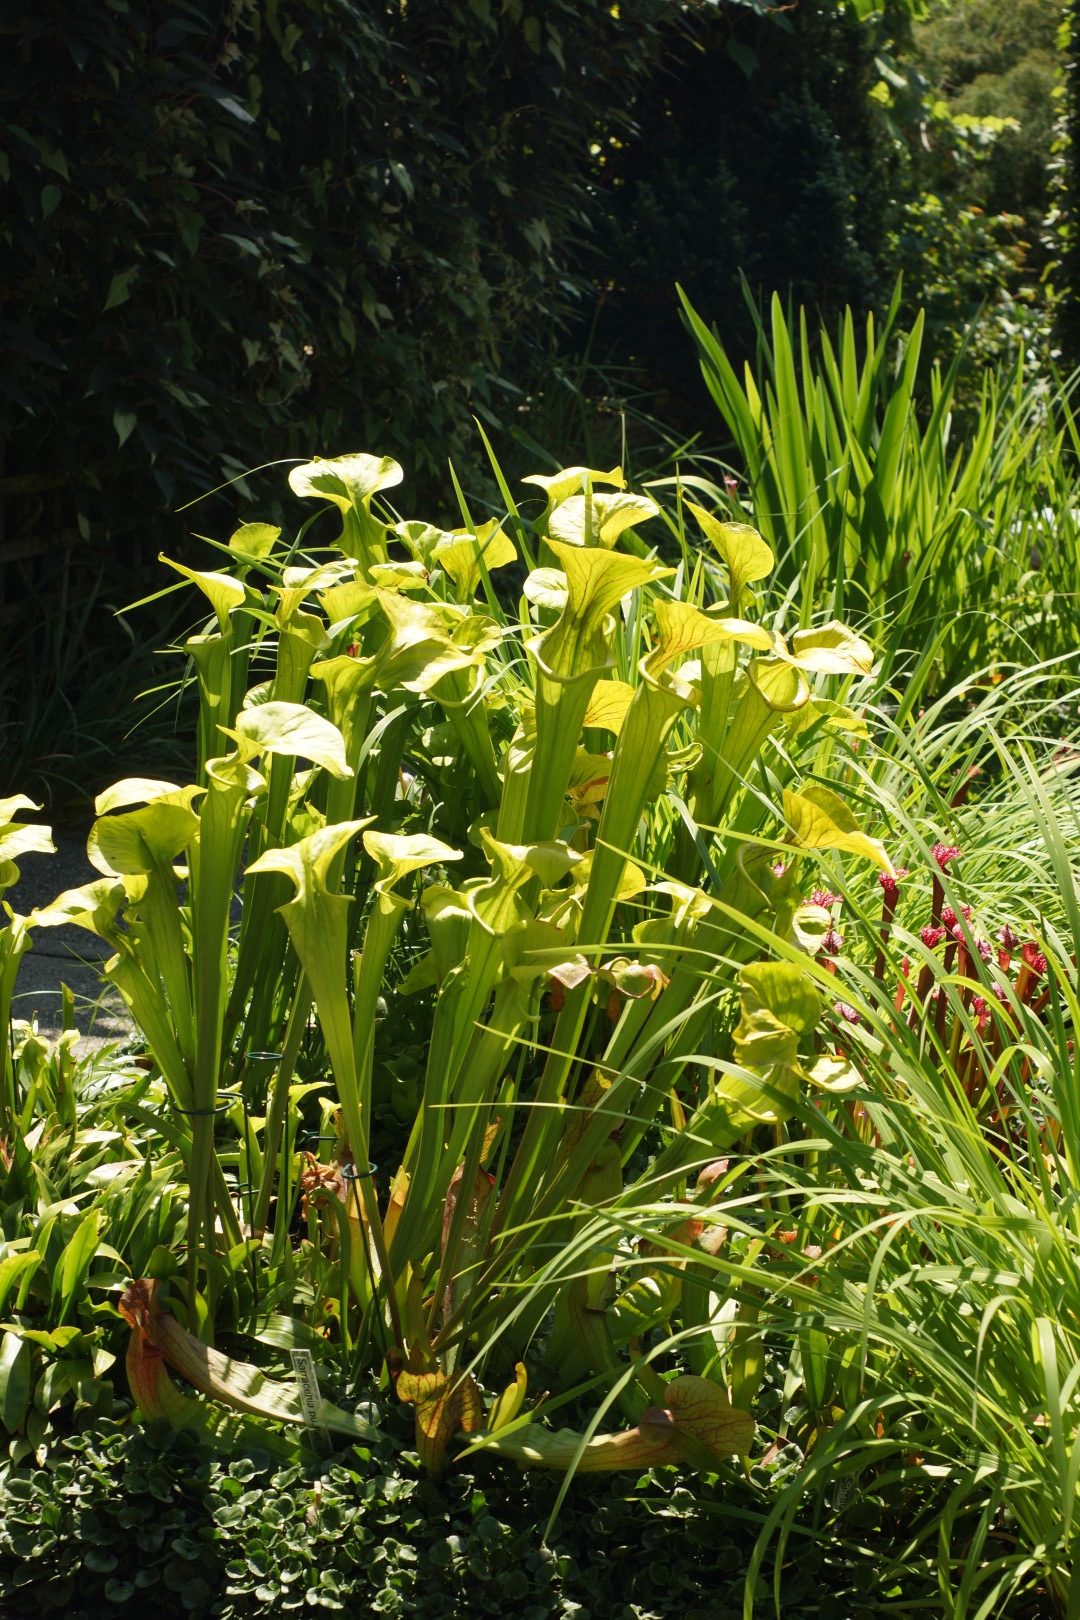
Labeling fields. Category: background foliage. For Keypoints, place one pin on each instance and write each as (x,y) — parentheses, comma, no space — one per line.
(972,239)
(764,156)
(236,231)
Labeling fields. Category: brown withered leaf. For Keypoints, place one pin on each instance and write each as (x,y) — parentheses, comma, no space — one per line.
(707,1426)
(471,1235)
(446,1404)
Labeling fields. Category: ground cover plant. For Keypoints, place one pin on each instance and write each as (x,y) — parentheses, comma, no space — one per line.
(608,1011)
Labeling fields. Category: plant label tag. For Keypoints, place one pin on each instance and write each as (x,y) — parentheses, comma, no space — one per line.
(303,1364)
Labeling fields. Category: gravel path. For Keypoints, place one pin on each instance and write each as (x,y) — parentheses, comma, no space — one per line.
(60,956)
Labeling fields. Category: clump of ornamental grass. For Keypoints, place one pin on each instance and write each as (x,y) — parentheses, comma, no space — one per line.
(852,465)
(893,1282)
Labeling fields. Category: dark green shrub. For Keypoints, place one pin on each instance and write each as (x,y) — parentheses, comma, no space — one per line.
(761,152)
(231,233)
(234,232)
(994,60)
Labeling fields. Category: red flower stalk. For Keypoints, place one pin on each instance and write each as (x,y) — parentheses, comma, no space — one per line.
(1033,966)
(922,991)
(965,787)
(944,855)
(951,921)
(940,996)
(905,969)
(890,893)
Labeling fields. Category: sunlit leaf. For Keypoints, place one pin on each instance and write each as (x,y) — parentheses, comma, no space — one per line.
(783,989)
(446,1404)
(832,649)
(547,588)
(744,553)
(14,1382)
(762,1041)
(133,790)
(608,705)
(704,1418)
(681,627)
(222,591)
(16,840)
(308,861)
(596,582)
(398,854)
(459,554)
(254,539)
(698,1425)
(93,907)
(403,575)
(819,819)
(505,1407)
(835,1074)
(141,840)
(346,480)
(17,801)
(598,520)
(558,486)
(778,684)
(809,925)
(295,731)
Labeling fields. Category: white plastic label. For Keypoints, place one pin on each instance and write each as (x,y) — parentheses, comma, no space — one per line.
(310,1399)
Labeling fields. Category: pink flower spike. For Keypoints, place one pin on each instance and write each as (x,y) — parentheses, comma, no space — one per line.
(832,943)
(890,882)
(1009,940)
(932,936)
(985,949)
(848,1014)
(823,897)
(778,868)
(944,853)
